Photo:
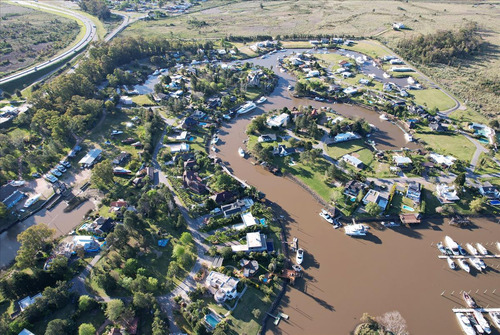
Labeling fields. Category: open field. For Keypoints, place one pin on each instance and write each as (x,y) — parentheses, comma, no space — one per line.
(449,144)
(29,36)
(355,18)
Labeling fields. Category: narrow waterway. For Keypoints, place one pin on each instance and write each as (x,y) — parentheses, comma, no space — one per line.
(393,269)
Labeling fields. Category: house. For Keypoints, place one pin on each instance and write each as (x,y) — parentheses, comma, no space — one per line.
(121,158)
(192,181)
(436,126)
(10,196)
(188,123)
(159,96)
(410,218)
(76,149)
(223,197)
(375,197)
(125,100)
(446,194)
(312,73)
(28,301)
(90,158)
(489,191)
(344,137)
(364,81)
(357,163)
(248,219)
(267,138)
(401,161)
(401,69)
(236,207)
(354,187)
(396,61)
(25,332)
(182,136)
(278,120)
(249,268)
(253,78)
(414,191)
(88,243)
(221,286)
(346,74)
(182,147)
(446,161)
(283,151)
(255,242)
(103,225)
(190,164)
(117,205)
(350,90)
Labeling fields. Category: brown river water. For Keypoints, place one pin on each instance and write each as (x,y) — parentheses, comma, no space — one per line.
(392,269)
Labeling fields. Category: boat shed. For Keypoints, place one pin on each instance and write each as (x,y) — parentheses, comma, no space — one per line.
(90,158)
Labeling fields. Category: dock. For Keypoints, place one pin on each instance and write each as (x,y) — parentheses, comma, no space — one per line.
(470,310)
(290,275)
(468,256)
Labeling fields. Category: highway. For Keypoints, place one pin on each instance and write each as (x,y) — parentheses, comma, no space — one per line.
(90,35)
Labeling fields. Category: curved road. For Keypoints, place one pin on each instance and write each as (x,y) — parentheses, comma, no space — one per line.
(90,35)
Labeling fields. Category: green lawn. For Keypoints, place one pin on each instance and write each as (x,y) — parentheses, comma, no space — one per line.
(468,115)
(433,98)
(142,100)
(370,48)
(486,165)
(242,319)
(340,149)
(448,144)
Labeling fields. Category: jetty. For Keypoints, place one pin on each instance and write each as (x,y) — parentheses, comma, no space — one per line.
(470,310)
(290,274)
(468,256)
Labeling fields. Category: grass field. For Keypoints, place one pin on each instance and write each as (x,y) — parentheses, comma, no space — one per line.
(432,98)
(449,144)
(338,150)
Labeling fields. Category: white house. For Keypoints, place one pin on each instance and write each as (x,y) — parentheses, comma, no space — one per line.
(255,242)
(312,73)
(489,191)
(267,138)
(221,286)
(344,137)
(357,163)
(401,160)
(278,120)
(182,147)
(374,196)
(446,193)
(125,100)
(441,159)
(350,90)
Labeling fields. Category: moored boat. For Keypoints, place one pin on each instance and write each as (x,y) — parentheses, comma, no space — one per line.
(461,250)
(475,264)
(471,249)
(215,139)
(249,106)
(482,250)
(465,324)
(495,316)
(452,245)
(261,100)
(325,215)
(299,257)
(241,152)
(383,117)
(355,230)
(469,301)
(475,324)
(451,263)
(441,248)
(463,265)
(482,321)
(32,200)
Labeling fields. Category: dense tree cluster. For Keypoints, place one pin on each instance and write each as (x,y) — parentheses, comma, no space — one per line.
(98,8)
(445,46)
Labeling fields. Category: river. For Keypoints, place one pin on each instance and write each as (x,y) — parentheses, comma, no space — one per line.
(393,269)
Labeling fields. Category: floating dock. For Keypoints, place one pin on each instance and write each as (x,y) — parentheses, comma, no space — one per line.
(468,256)
(470,310)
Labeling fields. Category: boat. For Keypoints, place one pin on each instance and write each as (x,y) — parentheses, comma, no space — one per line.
(498,245)
(465,324)
(215,139)
(482,321)
(355,230)
(475,264)
(383,117)
(495,317)
(297,267)
(452,245)
(441,248)
(471,249)
(261,100)
(299,257)
(249,106)
(120,170)
(482,249)
(469,301)
(408,137)
(451,263)
(241,152)
(481,263)
(325,215)
(386,76)
(463,265)
(461,250)
(32,200)
(295,243)
(214,149)
(17,183)
(290,87)
(475,324)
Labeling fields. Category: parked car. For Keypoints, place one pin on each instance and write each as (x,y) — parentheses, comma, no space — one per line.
(66,164)
(61,168)
(50,178)
(35,175)
(56,172)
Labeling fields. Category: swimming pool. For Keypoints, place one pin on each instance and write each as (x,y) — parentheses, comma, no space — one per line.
(408,208)
(211,320)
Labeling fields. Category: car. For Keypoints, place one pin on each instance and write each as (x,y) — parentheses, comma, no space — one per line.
(35,175)
(50,178)
(66,164)
(56,172)
(61,168)
(215,211)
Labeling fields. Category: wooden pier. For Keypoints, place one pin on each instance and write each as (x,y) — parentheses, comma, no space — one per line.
(469,256)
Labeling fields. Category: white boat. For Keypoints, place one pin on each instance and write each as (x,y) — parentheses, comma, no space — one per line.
(475,264)
(495,317)
(297,267)
(299,257)
(471,249)
(469,301)
(325,215)
(463,265)
(451,263)
(441,248)
(465,324)
(482,249)
(475,324)
(17,183)
(214,149)
(498,245)
(249,106)
(241,152)
(408,137)
(383,117)
(386,76)
(215,139)
(482,321)
(290,87)
(32,200)
(452,245)
(295,244)
(355,230)
(261,100)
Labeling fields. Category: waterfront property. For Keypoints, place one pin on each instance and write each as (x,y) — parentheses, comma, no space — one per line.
(489,191)
(267,138)
(254,242)
(236,207)
(410,218)
(221,286)
(446,194)
(278,120)
(414,191)
(354,187)
(344,137)
(375,197)
(249,267)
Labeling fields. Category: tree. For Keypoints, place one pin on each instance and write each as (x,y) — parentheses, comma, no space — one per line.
(460,180)
(478,204)
(33,240)
(102,175)
(373,209)
(86,329)
(57,327)
(393,322)
(86,303)
(143,300)
(115,309)
(186,238)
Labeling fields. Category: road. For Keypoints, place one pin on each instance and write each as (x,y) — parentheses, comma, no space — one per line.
(89,36)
